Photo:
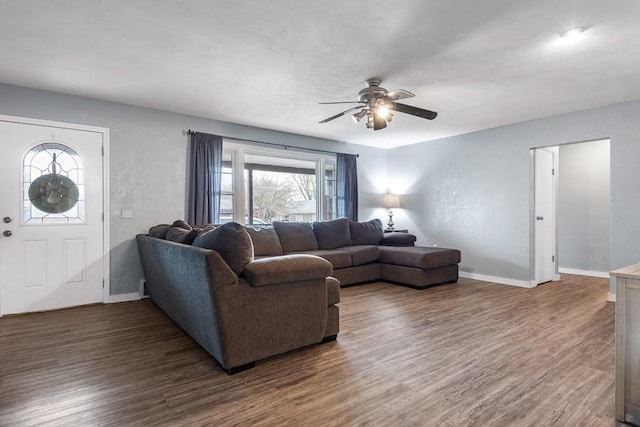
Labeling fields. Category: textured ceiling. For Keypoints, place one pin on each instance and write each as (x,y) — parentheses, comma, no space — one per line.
(480,64)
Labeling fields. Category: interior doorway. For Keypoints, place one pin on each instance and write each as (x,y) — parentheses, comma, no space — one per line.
(545,160)
(579,226)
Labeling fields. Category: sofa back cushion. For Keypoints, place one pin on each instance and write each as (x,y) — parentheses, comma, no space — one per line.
(232,242)
(366,233)
(332,234)
(295,236)
(265,241)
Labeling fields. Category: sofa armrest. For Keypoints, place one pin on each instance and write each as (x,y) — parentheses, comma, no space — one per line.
(286,268)
(181,280)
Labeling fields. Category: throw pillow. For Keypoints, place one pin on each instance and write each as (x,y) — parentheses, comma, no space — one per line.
(181,224)
(232,242)
(159,231)
(295,236)
(180,235)
(332,234)
(398,239)
(176,234)
(265,241)
(366,233)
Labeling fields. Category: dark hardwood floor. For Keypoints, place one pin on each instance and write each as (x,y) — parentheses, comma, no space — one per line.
(468,354)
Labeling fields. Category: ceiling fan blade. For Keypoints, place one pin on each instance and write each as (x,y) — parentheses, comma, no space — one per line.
(414,111)
(394,95)
(340,114)
(342,102)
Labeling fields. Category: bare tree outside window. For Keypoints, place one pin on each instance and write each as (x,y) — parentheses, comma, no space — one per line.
(272,195)
(284,188)
(281,196)
(306,185)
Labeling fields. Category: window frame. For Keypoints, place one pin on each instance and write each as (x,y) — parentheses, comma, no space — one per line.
(239,149)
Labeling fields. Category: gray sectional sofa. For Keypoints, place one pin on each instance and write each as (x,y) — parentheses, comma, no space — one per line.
(245,294)
(360,251)
(238,309)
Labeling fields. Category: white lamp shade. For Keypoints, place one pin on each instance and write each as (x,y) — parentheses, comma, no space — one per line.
(391,201)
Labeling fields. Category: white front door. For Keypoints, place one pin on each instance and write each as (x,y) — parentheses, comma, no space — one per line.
(51,217)
(545,263)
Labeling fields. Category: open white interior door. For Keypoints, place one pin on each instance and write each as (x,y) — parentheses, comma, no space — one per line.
(545,216)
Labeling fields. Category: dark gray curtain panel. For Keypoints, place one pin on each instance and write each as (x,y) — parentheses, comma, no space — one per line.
(205,166)
(347,186)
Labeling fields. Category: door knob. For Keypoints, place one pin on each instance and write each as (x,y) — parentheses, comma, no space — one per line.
(539,218)
(6,233)
(6,219)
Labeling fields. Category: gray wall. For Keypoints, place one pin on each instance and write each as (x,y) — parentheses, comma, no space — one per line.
(583,206)
(473,191)
(148,162)
(470,192)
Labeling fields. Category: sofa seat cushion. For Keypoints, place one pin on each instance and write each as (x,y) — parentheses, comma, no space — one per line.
(337,257)
(286,268)
(295,236)
(362,254)
(419,257)
(333,291)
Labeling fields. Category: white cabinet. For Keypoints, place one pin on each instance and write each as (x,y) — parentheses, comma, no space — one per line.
(628,343)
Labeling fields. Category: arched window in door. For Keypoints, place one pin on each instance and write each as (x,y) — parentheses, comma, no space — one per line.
(53,185)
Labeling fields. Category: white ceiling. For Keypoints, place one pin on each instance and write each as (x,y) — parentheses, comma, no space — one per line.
(479,64)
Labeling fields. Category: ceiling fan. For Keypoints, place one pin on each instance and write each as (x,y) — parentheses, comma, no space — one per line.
(376,104)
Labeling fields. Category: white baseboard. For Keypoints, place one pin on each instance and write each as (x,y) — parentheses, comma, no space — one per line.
(611,297)
(500,280)
(134,296)
(602,274)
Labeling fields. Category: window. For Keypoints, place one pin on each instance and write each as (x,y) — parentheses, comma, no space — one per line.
(226,188)
(278,185)
(330,198)
(53,185)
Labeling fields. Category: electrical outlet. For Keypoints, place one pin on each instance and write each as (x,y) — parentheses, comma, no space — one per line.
(435,245)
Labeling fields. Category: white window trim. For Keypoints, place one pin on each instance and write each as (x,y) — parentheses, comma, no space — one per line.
(238,149)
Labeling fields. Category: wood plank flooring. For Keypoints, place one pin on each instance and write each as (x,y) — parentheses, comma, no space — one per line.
(468,354)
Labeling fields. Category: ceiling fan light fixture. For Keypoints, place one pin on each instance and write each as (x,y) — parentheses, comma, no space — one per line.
(379,123)
(376,103)
(370,119)
(357,116)
(382,111)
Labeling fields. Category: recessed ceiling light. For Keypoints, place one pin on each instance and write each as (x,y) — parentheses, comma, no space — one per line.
(572,33)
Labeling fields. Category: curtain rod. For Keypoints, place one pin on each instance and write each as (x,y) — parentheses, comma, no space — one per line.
(284,146)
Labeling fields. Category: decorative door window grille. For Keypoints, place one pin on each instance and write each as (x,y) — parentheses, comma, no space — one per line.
(53,185)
